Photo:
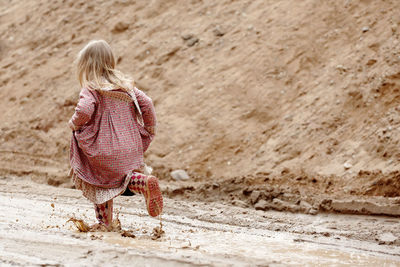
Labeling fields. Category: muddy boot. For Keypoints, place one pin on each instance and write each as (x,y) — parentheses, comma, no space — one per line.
(104,213)
(148,186)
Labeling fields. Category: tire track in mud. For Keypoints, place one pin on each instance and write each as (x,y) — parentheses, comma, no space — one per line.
(33,231)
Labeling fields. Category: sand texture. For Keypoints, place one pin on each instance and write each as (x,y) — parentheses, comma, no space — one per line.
(296,99)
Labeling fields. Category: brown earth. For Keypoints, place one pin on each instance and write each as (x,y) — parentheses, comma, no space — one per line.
(275,103)
(37,232)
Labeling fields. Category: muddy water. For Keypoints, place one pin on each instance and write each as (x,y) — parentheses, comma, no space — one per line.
(34,230)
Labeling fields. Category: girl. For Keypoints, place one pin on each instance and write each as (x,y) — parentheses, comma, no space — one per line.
(113,125)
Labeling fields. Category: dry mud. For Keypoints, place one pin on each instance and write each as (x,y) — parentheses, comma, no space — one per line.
(35,232)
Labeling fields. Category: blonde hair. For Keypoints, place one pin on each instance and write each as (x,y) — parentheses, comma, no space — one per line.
(96,68)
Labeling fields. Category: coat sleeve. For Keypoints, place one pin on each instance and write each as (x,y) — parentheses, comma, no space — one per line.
(84,109)
(148,111)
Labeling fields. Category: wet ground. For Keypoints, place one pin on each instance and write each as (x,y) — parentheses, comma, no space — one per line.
(34,231)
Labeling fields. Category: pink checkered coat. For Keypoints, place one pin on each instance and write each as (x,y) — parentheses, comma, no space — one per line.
(109,139)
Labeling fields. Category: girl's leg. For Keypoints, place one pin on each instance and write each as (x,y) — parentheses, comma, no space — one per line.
(148,186)
(104,213)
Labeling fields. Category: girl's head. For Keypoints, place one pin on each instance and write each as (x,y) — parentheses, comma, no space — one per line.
(96,67)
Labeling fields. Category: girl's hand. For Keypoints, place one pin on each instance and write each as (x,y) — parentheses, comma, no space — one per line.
(72,126)
(150,129)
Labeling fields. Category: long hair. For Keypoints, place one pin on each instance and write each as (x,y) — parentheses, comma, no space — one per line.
(96,68)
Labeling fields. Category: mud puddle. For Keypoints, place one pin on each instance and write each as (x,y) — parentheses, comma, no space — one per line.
(33,231)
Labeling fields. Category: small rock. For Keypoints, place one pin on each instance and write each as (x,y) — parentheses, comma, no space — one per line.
(255,195)
(365,29)
(192,41)
(180,175)
(341,68)
(187,36)
(306,205)
(261,205)
(347,165)
(313,211)
(215,185)
(120,27)
(218,31)
(288,118)
(387,238)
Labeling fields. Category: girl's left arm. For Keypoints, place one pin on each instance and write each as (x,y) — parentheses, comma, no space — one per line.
(84,110)
(148,111)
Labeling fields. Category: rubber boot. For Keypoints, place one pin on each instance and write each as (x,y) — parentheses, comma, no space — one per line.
(149,187)
(104,213)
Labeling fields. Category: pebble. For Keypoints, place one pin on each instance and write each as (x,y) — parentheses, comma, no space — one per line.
(180,175)
(261,205)
(347,165)
(218,31)
(365,29)
(387,238)
(255,195)
(341,68)
(313,211)
(192,41)
(288,118)
(187,36)
(305,204)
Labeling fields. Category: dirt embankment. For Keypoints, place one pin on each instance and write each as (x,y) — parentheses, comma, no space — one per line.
(296,97)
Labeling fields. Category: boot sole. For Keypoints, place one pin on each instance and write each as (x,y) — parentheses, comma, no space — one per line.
(154,201)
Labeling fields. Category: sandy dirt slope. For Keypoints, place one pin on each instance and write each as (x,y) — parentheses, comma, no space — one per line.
(300,95)
(34,231)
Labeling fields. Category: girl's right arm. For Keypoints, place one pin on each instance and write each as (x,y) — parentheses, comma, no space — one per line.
(84,109)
